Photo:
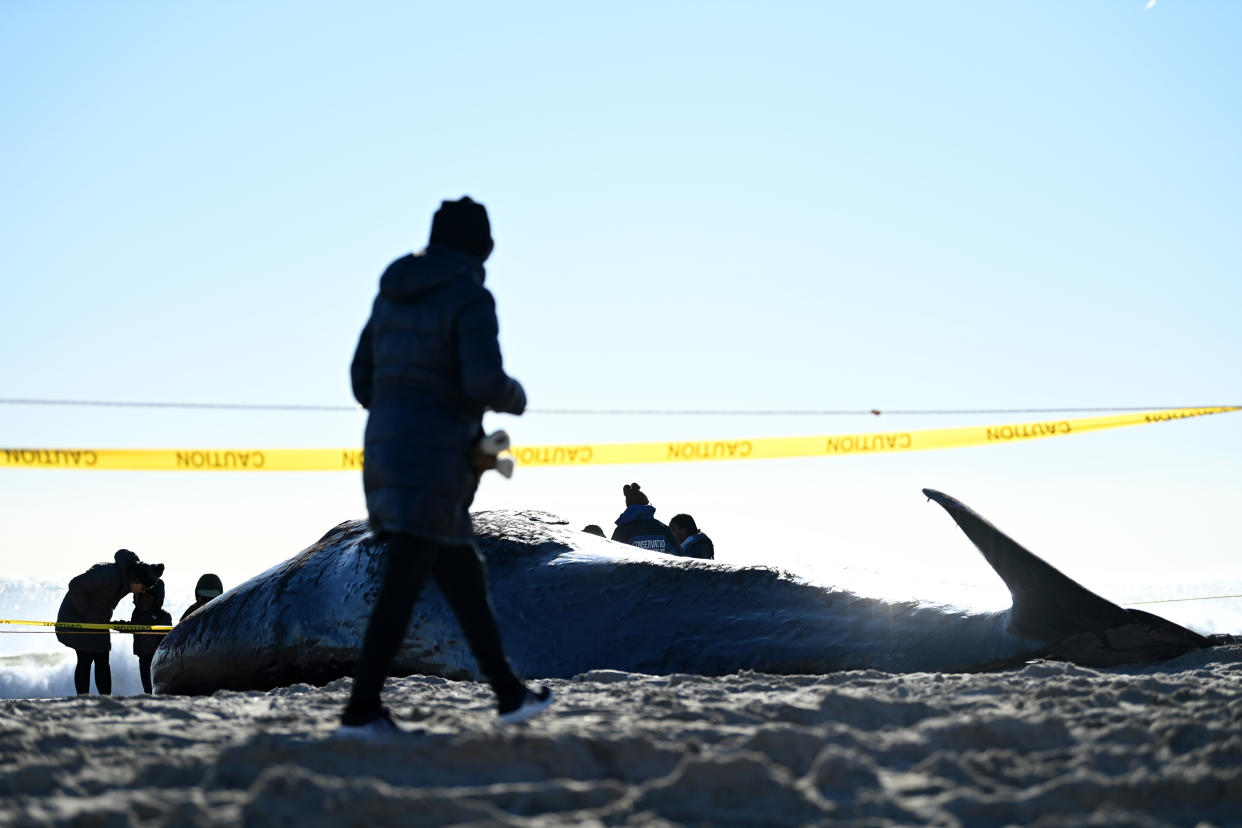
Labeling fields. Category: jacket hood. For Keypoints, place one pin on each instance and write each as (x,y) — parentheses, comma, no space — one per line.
(156,591)
(635,512)
(208,586)
(411,276)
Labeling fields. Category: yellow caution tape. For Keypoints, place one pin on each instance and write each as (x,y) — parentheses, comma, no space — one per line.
(64,626)
(588,454)
(838,444)
(183,459)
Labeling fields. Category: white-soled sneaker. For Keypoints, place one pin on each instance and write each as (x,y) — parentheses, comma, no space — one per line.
(533,703)
(378,729)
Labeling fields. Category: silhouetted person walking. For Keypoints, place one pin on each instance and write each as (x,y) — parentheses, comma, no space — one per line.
(427,366)
(91,599)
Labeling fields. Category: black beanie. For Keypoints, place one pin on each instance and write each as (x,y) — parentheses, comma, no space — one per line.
(634,497)
(463,226)
(147,574)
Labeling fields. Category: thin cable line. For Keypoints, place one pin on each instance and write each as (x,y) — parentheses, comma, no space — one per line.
(750,412)
(214,406)
(633,412)
(1175,600)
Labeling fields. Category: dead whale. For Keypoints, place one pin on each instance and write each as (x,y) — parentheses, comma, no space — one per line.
(569,602)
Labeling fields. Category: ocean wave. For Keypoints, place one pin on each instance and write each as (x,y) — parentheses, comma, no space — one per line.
(50,675)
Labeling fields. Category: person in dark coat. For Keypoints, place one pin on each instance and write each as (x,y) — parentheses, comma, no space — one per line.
(209,586)
(694,544)
(426,367)
(149,609)
(637,525)
(91,599)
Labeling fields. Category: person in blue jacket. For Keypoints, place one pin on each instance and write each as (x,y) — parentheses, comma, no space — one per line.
(426,367)
(694,543)
(637,525)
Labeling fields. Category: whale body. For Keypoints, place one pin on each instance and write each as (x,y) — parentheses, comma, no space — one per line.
(568,602)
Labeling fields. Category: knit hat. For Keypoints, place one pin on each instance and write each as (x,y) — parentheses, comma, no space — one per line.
(146,574)
(463,225)
(634,497)
(208,586)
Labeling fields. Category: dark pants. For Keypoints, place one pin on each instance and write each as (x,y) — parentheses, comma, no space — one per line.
(82,673)
(144,672)
(459,573)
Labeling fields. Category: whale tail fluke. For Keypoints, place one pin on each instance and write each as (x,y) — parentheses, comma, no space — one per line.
(1050,606)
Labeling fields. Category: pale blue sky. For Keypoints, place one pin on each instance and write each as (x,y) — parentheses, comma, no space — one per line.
(696,205)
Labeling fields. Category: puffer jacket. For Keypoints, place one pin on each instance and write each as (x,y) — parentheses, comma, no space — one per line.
(145,644)
(698,546)
(637,526)
(427,366)
(92,597)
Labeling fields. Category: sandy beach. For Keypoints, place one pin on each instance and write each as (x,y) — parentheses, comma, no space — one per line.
(1048,744)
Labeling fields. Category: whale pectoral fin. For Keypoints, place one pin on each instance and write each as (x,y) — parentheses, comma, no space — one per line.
(1146,638)
(1164,634)
(1047,605)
